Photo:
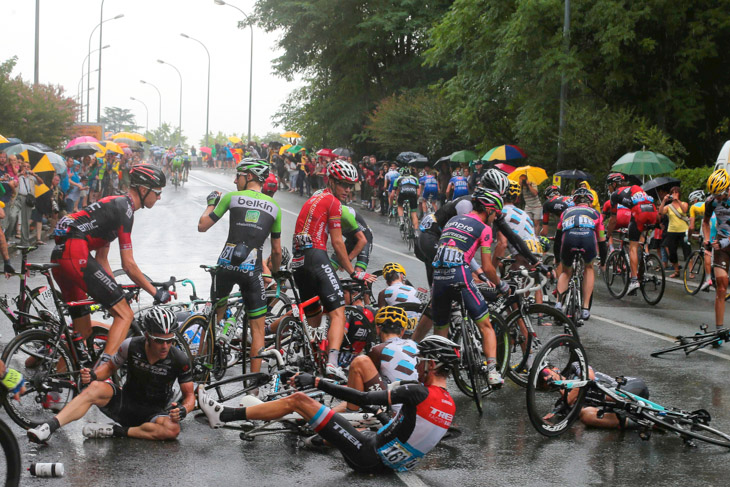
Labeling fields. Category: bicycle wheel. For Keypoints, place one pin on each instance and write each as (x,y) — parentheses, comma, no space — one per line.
(528,331)
(550,413)
(687,426)
(47,367)
(472,361)
(194,333)
(694,272)
(551,283)
(294,347)
(11,450)
(652,278)
(617,274)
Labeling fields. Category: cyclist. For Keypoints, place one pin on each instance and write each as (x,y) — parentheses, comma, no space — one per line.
(643,214)
(271,185)
(426,412)
(176,166)
(253,217)
(717,204)
(697,209)
(313,274)
(141,408)
(555,204)
(398,292)
(186,167)
(623,218)
(390,177)
(92,230)
(358,239)
(462,238)
(496,180)
(519,223)
(582,230)
(406,189)
(428,191)
(458,186)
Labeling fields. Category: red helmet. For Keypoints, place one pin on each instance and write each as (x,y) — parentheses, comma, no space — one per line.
(341,170)
(615,177)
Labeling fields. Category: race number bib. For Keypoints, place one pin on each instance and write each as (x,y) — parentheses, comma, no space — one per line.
(303,241)
(449,256)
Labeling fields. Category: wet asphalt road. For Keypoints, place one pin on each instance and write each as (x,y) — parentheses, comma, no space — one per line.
(501,448)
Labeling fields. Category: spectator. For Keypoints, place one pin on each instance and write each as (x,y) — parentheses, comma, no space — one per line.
(292,168)
(281,170)
(26,193)
(301,173)
(310,168)
(381,189)
(676,211)
(371,183)
(444,176)
(57,202)
(73,193)
(533,207)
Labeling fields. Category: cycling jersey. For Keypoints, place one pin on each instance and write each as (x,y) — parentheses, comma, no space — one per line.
(399,293)
(461,186)
(430,186)
(434,222)
(320,213)
(391,177)
(623,214)
(352,223)
(643,211)
(424,418)
(100,223)
(556,205)
(521,224)
(581,226)
(177,163)
(460,240)
(406,184)
(395,359)
(697,210)
(722,211)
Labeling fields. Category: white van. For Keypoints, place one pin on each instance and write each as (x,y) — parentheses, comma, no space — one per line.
(723,156)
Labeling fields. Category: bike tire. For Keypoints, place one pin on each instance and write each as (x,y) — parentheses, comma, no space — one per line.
(473,363)
(11,450)
(22,354)
(294,348)
(194,332)
(616,276)
(695,267)
(687,427)
(653,281)
(560,352)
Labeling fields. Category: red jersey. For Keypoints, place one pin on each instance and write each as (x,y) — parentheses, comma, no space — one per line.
(100,223)
(321,213)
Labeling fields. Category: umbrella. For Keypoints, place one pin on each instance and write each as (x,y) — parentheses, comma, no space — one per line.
(290,134)
(3,140)
(108,145)
(463,156)
(41,146)
(9,142)
(342,152)
(206,150)
(504,153)
(81,140)
(295,149)
(82,149)
(411,158)
(326,153)
(443,160)
(574,174)
(534,174)
(659,182)
(42,166)
(234,139)
(21,149)
(643,163)
(131,136)
(131,143)
(284,148)
(127,151)
(58,162)
(504,167)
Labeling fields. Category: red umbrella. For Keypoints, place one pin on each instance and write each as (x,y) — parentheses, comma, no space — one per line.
(81,140)
(207,150)
(326,153)
(505,167)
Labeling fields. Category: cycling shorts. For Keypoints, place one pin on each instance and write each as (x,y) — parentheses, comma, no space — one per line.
(79,274)
(623,218)
(128,413)
(363,258)
(721,258)
(314,276)
(433,194)
(443,295)
(251,285)
(583,240)
(412,199)
(641,216)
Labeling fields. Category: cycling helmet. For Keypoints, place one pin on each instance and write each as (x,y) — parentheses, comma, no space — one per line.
(440,349)
(551,191)
(582,195)
(341,170)
(718,182)
(545,242)
(179,151)
(392,319)
(147,175)
(404,171)
(496,180)
(393,267)
(160,320)
(486,198)
(260,169)
(546,377)
(513,192)
(698,195)
(615,177)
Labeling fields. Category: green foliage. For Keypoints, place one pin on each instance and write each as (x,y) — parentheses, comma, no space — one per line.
(33,113)
(117,119)
(165,136)
(221,138)
(654,139)
(694,178)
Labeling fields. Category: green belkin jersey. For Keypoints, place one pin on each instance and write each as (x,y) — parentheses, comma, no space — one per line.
(253,217)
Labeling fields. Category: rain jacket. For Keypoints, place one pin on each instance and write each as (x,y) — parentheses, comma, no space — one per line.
(596,204)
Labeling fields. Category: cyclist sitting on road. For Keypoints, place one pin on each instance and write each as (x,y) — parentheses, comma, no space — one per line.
(141,408)
(313,273)
(406,189)
(93,229)
(458,186)
(398,292)
(582,230)
(643,213)
(428,190)
(253,217)
(697,210)
(426,413)
(717,204)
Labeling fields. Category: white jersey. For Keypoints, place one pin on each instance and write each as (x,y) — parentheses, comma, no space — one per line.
(523,226)
(396,360)
(400,293)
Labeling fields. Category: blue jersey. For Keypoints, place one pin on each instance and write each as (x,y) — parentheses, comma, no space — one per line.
(430,185)
(461,186)
(391,177)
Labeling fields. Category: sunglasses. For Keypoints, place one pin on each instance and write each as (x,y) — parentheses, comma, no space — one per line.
(162,341)
(157,192)
(346,185)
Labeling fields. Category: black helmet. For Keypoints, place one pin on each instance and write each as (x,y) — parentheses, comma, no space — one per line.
(147,175)
(439,349)
(160,320)
(582,195)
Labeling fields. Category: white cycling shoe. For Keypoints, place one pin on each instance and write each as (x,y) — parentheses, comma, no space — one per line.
(334,372)
(39,434)
(633,286)
(211,408)
(494,378)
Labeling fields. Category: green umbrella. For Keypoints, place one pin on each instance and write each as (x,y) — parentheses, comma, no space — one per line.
(463,156)
(296,149)
(644,162)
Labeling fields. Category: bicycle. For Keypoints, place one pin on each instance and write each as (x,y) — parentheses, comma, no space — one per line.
(573,298)
(407,232)
(11,451)
(652,280)
(555,407)
(695,342)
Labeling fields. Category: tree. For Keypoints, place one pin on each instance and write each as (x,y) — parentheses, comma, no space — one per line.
(119,120)
(33,113)
(165,136)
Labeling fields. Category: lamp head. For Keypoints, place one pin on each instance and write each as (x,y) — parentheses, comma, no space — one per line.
(119,16)
(219,2)
(161,61)
(185,36)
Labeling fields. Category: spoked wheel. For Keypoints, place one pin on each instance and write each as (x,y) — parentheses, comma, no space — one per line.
(694,272)
(471,363)
(528,331)
(195,334)
(651,278)
(617,274)
(551,283)
(688,427)
(550,411)
(51,382)
(11,450)
(294,347)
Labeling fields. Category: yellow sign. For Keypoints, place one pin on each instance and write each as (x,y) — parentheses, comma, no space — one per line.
(556,181)
(93,129)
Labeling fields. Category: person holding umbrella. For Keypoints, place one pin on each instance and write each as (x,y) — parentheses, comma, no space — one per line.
(530,196)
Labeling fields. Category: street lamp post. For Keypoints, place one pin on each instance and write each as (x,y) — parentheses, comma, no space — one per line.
(88,73)
(80,95)
(159,121)
(87,58)
(250,70)
(179,126)
(207,99)
(147,120)
(37,40)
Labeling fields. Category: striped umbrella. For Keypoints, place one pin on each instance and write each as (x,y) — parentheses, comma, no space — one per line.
(504,153)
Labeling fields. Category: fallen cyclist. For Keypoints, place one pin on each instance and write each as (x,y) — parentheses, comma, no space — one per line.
(426,413)
(140,409)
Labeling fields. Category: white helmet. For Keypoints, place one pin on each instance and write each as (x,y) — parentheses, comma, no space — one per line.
(496,180)
(698,195)
(341,170)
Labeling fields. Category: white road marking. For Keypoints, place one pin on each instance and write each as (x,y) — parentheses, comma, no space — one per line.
(411,479)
